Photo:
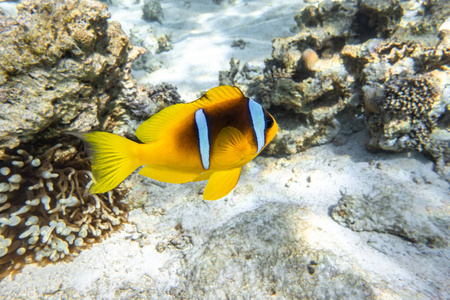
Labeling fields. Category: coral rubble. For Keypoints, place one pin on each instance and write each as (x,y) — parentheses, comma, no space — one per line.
(61,62)
(46,213)
(164,43)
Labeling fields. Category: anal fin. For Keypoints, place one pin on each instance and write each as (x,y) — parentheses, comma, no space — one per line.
(204,176)
(221,183)
(168,175)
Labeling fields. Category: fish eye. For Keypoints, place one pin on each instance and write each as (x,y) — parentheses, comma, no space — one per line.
(268,121)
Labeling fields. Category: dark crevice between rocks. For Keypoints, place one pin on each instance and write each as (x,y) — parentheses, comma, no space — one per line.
(286,120)
(331,46)
(443,122)
(376,20)
(327,100)
(300,74)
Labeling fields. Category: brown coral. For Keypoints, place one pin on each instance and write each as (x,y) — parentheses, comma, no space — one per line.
(85,38)
(46,214)
(309,59)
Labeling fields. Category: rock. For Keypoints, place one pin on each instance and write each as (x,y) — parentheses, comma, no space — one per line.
(389,210)
(259,255)
(144,37)
(62,63)
(152,11)
(150,99)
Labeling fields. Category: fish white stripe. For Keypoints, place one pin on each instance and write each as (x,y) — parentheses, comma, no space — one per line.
(257,114)
(203,137)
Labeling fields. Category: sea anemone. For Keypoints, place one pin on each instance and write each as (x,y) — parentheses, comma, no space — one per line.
(46,213)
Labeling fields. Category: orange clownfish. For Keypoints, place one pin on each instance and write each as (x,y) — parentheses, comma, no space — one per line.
(210,138)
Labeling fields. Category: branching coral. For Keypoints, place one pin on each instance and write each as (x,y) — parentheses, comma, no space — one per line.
(46,214)
(413,96)
(402,118)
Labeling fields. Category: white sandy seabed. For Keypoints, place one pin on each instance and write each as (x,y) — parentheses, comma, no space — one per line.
(202,33)
(178,245)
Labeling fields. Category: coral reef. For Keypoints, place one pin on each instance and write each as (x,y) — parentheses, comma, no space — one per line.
(407,215)
(425,23)
(379,18)
(353,62)
(61,63)
(46,214)
(306,76)
(63,67)
(402,118)
(405,92)
(322,101)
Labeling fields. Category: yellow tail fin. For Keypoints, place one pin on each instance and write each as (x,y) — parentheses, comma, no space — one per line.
(113,158)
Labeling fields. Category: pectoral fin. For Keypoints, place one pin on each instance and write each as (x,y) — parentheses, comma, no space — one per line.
(221,183)
(230,147)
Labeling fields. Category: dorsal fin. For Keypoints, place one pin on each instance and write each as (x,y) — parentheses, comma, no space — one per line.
(219,94)
(164,122)
(167,120)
